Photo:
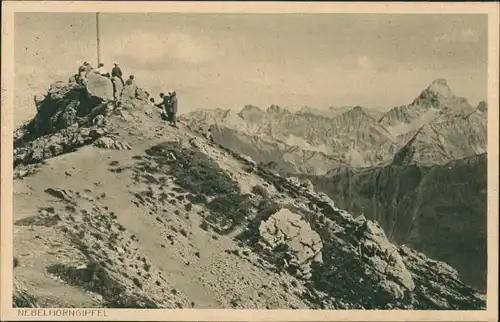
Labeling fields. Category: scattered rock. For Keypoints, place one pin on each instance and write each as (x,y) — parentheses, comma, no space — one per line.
(65,195)
(110,143)
(99,121)
(248,159)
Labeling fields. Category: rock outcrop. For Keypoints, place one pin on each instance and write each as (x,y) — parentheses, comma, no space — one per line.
(384,257)
(303,245)
(48,146)
(70,115)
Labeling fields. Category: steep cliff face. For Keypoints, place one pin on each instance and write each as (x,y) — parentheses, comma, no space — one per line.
(442,141)
(439,209)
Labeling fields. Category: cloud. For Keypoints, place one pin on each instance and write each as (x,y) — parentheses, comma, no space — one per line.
(151,48)
(465,36)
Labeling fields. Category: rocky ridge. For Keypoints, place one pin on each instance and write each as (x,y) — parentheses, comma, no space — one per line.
(350,137)
(172,220)
(437,121)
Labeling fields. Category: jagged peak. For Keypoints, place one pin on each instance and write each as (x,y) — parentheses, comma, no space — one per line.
(276,109)
(356,112)
(251,108)
(482,106)
(438,89)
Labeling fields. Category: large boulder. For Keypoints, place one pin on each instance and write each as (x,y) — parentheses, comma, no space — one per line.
(99,87)
(303,244)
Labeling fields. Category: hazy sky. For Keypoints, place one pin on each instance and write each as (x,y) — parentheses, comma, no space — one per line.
(230,60)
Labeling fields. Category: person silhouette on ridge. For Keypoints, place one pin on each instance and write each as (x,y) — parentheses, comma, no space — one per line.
(173,109)
(117,72)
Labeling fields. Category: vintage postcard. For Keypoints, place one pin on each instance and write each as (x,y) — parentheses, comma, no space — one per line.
(253,161)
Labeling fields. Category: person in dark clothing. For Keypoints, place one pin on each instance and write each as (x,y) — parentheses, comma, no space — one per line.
(117,72)
(102,70)
(164,105)
(130,80)
(173,109)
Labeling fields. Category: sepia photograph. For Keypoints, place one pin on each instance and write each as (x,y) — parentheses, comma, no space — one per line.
(224,160)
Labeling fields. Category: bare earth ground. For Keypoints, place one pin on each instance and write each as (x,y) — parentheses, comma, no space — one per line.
(211,280)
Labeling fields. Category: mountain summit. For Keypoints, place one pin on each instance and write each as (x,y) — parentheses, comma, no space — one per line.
(438,89)
(436,101)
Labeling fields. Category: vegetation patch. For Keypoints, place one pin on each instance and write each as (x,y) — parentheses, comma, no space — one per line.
(23,299)
(39,220)
(95,278)
(229,211)
(261,191)
(193,170)
(265,208)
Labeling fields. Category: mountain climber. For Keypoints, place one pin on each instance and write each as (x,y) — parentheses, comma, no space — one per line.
(208,134)
(172,110)
(130,80)
(85,68)
(83,71)
(165,102)
(117,72)
(102,70)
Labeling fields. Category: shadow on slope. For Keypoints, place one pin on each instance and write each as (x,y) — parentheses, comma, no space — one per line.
(206,183)
(439,210)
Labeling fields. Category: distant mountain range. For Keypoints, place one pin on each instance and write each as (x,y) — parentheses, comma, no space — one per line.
(312,140)
(418,169)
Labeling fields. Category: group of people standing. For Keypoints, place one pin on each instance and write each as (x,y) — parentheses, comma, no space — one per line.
(86,68)
(168,104)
